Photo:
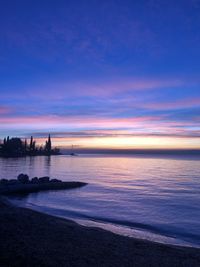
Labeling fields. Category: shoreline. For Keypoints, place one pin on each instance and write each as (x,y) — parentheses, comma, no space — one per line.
(111,226)
(34,238)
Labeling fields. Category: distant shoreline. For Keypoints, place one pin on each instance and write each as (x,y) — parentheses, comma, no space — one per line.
(136,151)
(16,147)
(28,156)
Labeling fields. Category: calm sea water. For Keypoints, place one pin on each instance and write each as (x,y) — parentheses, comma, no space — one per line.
(146,197)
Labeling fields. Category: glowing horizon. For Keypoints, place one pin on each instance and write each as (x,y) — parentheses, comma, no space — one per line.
(124,143)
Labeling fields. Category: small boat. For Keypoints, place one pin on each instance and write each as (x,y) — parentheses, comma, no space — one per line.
(72,152)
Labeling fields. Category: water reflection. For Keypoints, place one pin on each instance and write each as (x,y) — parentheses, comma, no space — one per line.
(161,193)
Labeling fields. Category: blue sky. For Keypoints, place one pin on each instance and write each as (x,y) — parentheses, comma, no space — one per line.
(114,71)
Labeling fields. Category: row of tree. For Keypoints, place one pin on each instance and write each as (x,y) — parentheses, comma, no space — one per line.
(17,147)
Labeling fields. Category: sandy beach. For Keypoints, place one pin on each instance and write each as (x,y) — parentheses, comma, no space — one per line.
(30,238)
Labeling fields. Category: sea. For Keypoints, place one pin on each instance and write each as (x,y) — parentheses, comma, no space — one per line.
(152,197)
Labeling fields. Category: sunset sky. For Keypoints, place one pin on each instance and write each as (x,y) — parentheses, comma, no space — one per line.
(101,73)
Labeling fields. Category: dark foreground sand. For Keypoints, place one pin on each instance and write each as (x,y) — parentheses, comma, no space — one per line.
(30,238)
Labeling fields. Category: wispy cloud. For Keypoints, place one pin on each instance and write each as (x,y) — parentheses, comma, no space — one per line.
(95,88)
(176,104)
(70,33)
(5,110)
(143,125)
(116,133)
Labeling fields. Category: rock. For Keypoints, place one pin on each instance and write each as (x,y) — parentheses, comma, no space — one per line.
(3,181)
(35,180)
(55,181)
(13,181)
(44,179)
(23,178)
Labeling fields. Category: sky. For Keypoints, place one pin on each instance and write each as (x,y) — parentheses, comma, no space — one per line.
(101,73)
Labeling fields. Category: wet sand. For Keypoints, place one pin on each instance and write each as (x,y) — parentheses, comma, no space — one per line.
(30,238)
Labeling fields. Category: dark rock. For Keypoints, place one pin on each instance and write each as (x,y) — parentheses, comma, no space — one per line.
(13,181)
(27,188)
(55,181)
(35,180)
(3,181)
(44,179)
(23,178)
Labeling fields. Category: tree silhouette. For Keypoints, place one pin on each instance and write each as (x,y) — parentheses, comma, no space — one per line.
(48,145)
(13,146)
(25,146)
(16,147)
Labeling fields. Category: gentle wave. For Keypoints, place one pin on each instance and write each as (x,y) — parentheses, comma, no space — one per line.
(157,198)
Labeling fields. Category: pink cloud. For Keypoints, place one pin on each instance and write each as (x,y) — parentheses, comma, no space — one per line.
(4,110)
(182,103)
(117,133)
(44,120)
(142,124)
(144,127)
(107,88)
